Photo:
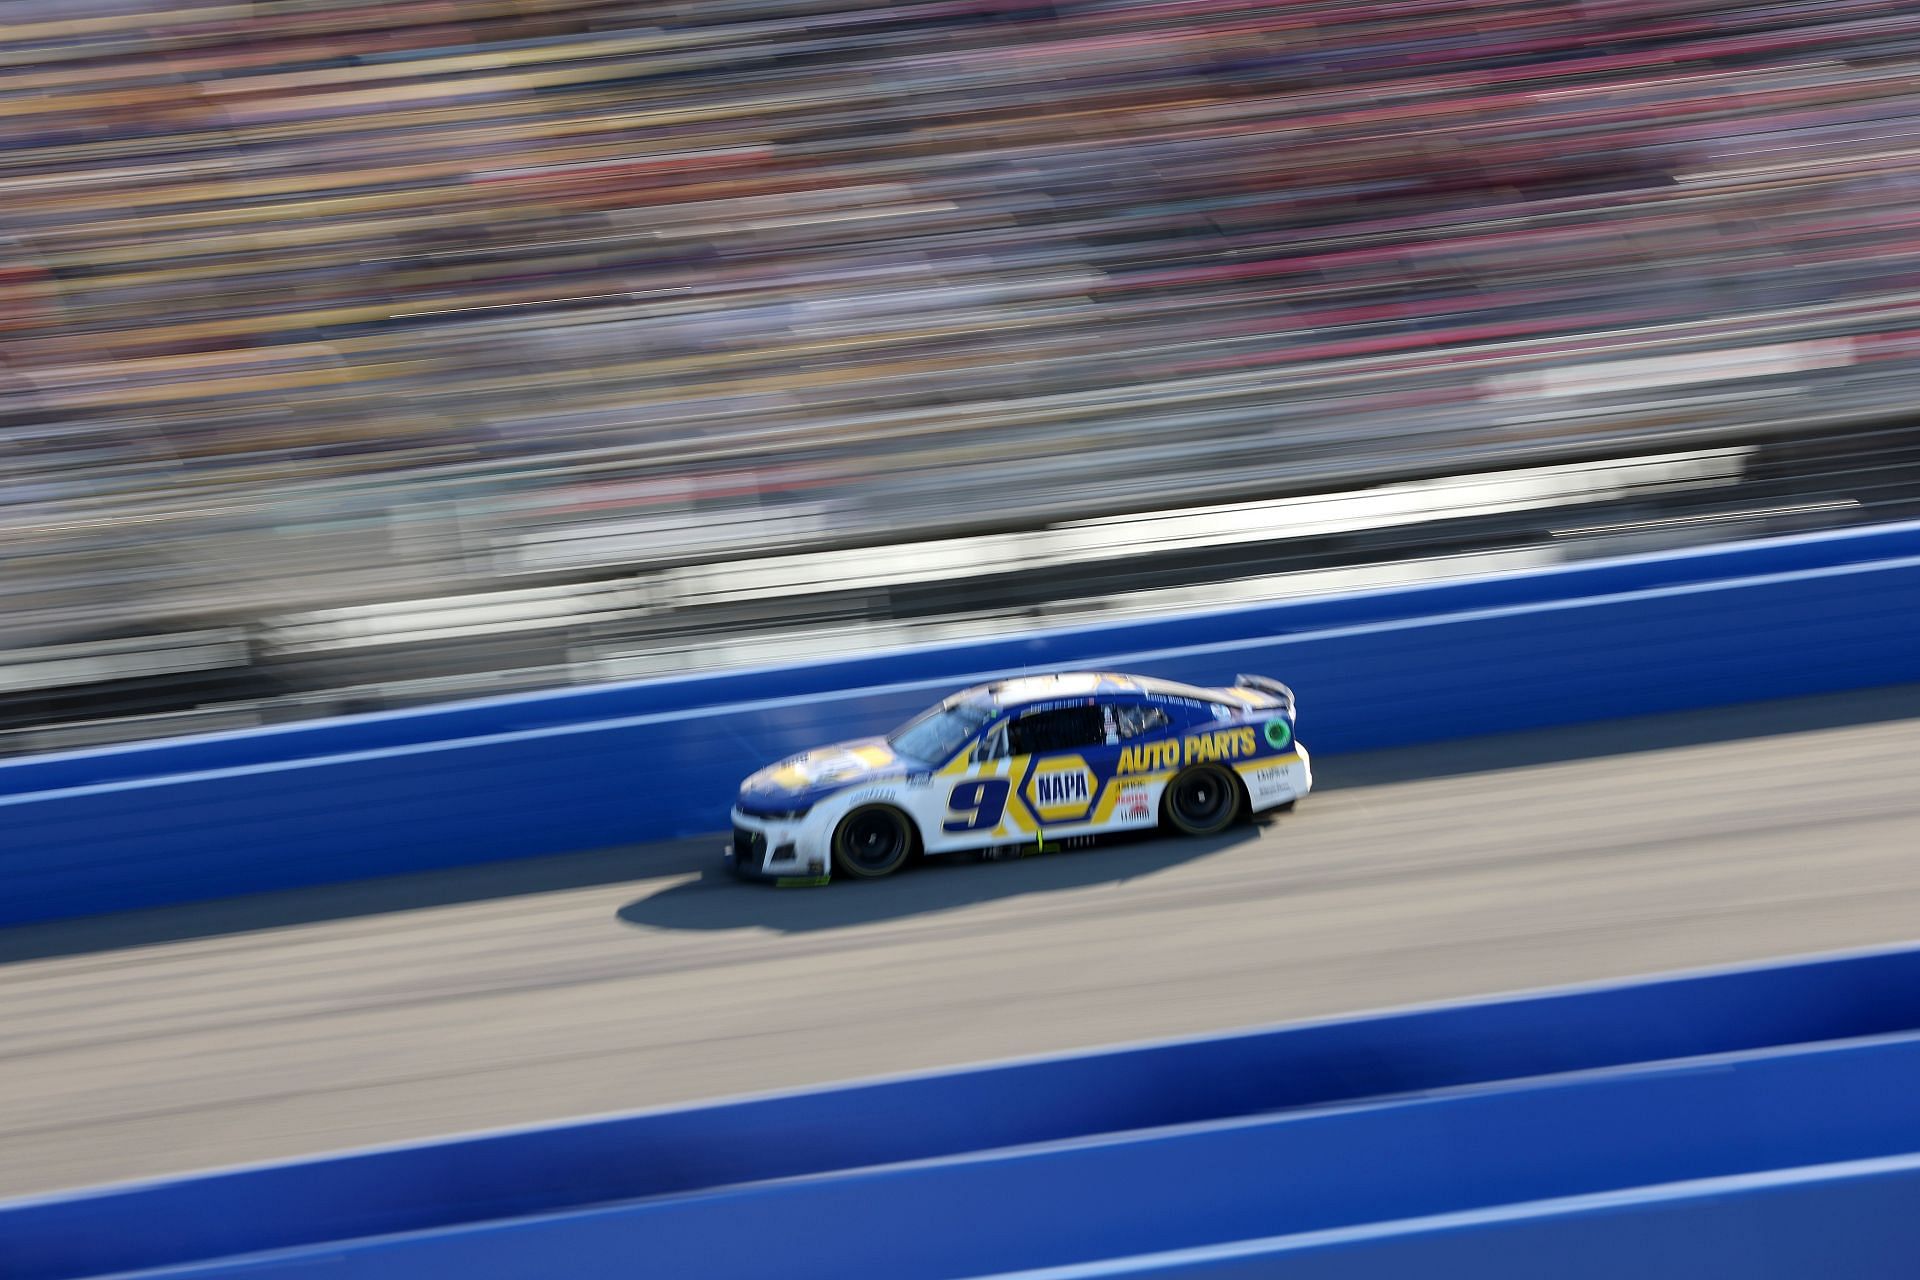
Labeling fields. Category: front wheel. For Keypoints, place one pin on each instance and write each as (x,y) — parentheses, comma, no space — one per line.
(871,842)
(1203,801)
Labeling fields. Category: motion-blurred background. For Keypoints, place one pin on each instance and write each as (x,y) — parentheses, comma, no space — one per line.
(365,354)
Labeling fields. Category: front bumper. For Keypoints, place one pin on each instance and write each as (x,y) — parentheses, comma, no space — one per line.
(770,849)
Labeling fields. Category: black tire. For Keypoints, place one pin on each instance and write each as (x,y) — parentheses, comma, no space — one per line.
(1203,801)
(872,841)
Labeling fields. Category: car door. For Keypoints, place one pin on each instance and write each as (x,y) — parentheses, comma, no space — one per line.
(972,795)
(1061,757)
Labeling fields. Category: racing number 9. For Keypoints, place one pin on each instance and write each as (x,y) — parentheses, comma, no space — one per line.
(976,806)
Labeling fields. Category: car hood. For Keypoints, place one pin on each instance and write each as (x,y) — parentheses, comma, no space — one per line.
(804,779)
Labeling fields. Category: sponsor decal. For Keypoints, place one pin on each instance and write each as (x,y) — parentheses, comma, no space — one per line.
(1278,734)
(1221,744)
(1061,790)
(1055,789)
(1042,708)
(826,767)
(1175,700)
(1276,780)
(1204,748)
(1150,757)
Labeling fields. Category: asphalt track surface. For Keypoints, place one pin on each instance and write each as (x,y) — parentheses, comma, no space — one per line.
(161,1041)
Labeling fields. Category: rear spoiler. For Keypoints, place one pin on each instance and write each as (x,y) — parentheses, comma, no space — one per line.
(1267,684)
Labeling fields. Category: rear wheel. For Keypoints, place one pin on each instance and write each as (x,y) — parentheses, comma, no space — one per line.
(872,841)
(1203,801)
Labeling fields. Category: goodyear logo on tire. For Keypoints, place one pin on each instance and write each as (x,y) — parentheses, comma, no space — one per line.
(1061,790)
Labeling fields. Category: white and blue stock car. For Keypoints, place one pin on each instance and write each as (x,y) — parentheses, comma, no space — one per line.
(1019,763)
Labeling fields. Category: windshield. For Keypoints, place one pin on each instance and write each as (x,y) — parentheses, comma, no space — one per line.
(936,735)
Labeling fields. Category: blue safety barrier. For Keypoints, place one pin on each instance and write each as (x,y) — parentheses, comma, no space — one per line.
(1852,1221)
(1332,1113)
(1068,1203)
(1373,670)
(957,661)
(1312,1140)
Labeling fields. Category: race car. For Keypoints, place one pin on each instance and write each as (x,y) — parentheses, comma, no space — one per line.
(1019,764)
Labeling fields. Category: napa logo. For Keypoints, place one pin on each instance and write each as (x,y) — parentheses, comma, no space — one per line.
(1056,789)
(1061,790)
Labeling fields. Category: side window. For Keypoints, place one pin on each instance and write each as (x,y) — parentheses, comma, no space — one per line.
(1067,729)
(1138,721)
(992,744)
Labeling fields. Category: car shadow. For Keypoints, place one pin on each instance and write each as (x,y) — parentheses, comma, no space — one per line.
(718,900)
(385,895)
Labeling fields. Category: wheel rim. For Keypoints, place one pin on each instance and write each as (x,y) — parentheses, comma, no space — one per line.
(874,840)
(1202,800)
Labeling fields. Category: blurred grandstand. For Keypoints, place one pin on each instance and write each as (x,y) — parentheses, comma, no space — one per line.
(370,352)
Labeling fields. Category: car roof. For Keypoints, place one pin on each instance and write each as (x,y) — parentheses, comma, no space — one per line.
(1023,690)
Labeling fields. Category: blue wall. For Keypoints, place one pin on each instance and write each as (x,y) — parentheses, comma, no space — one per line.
(1067,1203)
(1356,1127)
(955,662)
(523,777)
(1838,1222)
